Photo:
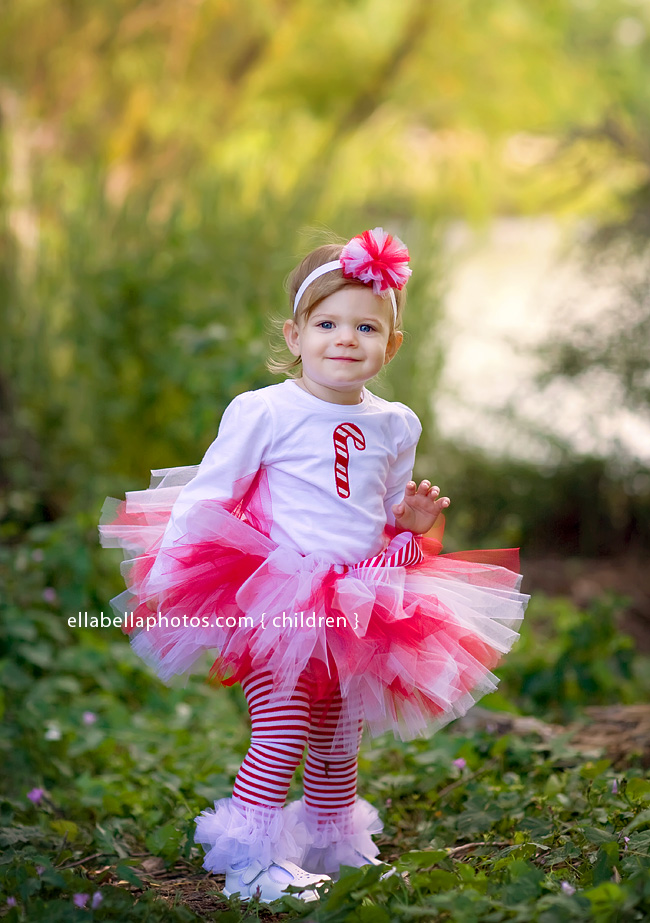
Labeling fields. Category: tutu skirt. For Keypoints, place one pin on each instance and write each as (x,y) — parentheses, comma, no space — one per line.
(409,647)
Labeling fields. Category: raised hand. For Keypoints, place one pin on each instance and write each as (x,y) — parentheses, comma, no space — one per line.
(420,507)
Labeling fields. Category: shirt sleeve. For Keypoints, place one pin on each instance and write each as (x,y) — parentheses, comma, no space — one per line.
(401,470)
(244,437)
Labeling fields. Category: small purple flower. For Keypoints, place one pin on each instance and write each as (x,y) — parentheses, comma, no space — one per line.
(89,717)
(36,795)
(39,870)
(80,900)
(49,594)
(460,763)
(615,787)
(389,802)
(567,888)
(626,840)
(11,902)
(96,901)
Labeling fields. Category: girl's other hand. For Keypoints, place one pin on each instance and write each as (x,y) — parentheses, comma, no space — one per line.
(420,507)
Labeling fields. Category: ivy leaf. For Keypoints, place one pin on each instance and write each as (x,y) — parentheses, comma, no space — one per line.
(525,883)
(126,873)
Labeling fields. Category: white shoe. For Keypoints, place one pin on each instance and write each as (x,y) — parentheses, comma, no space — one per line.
(268,883)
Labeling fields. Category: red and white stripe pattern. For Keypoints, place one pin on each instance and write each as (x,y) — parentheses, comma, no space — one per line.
(330,776)
(278,737)
(280,731)
(402,552)
(342,433)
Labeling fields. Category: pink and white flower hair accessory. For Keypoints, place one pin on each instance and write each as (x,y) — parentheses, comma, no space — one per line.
(378,259)
(375,258)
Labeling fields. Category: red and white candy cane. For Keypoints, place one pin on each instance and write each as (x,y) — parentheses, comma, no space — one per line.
(342,456)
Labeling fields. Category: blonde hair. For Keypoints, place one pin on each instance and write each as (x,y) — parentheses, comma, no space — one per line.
(320,288)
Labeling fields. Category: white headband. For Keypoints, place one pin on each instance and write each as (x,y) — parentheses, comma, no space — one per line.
(329,267)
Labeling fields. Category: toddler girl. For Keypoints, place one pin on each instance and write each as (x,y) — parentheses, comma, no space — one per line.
(290,553)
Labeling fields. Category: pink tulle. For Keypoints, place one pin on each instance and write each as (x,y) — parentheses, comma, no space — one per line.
(376,258)
(409,647)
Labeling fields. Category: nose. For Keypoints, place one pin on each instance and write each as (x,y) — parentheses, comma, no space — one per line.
(346,335)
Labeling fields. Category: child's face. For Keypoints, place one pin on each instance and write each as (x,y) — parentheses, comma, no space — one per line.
(344,343)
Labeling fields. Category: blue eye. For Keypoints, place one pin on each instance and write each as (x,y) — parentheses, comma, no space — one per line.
(366,328)
(326,324)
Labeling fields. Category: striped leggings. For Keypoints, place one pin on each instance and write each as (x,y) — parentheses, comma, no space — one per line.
(280,732)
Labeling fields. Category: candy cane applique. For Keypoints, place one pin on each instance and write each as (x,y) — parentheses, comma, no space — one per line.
(342,433)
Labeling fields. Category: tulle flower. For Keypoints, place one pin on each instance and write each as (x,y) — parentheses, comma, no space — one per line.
(376,258)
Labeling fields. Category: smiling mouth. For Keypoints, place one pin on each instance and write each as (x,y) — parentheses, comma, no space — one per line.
(343,359)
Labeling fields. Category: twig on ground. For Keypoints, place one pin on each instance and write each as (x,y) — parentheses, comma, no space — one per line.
(456,851)
(96,855)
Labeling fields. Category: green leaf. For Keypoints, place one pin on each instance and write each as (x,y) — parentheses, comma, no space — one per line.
(593,770)
(606,858)
(605,896)
(525,882)
(422,859)
(18,833)
(597,836)
(374,914)
(638,789)
(126,872)
(66,828)
(164,841)
(435,880)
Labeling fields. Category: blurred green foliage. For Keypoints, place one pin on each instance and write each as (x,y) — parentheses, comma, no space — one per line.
(569,658)
(138,332)
(159,165)
(571,507)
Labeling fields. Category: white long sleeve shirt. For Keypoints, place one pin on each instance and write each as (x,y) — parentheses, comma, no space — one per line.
(313,453)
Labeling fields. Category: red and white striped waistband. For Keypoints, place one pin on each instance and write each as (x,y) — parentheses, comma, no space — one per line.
(402,551)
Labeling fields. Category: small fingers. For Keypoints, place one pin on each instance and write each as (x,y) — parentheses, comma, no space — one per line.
(431,492)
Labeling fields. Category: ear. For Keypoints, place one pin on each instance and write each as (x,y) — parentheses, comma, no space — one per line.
(395,340)
(292,337)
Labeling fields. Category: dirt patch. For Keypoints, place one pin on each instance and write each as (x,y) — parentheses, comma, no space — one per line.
(620,733)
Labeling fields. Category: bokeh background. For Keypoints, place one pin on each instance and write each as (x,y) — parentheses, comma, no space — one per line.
(163,166)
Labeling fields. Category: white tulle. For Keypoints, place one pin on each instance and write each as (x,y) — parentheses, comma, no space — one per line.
(343,838)
(236,832)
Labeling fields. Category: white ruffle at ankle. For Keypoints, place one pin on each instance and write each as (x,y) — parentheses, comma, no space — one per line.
(236,832)
(341,838)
